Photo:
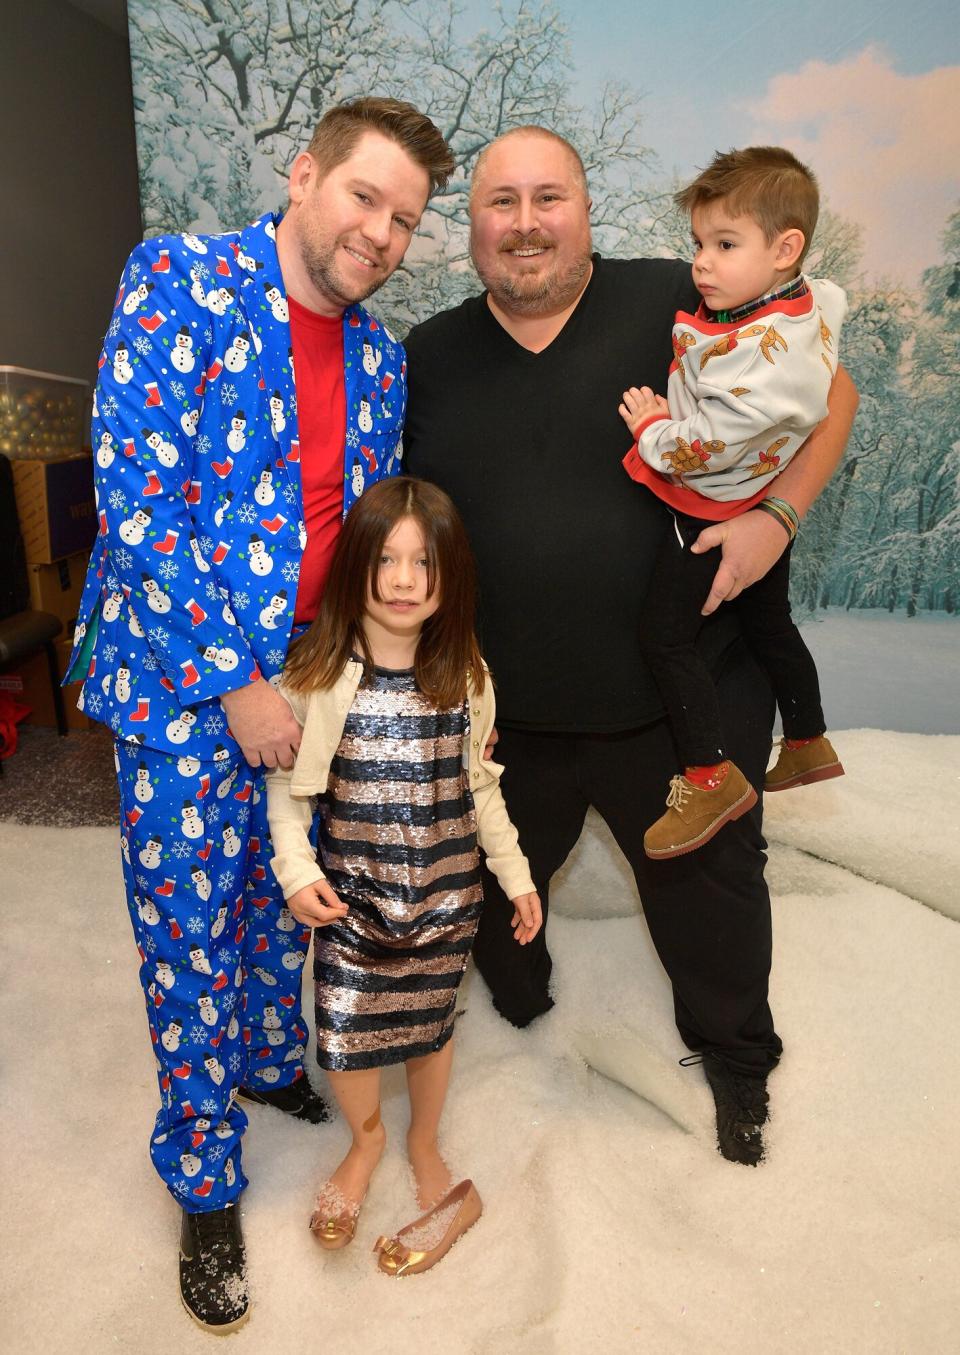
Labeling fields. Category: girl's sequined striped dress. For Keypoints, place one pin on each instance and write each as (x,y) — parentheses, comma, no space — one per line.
(398,843)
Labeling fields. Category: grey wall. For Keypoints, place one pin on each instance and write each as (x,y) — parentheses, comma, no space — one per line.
(69,198)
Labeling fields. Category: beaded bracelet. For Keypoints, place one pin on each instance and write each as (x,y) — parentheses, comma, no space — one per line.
(785,514)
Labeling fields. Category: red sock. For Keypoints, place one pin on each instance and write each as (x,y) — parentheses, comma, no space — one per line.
(707,778)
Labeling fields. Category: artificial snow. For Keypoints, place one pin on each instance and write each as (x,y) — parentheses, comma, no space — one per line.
(610,1222)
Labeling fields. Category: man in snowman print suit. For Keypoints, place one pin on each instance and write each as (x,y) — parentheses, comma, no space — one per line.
(190,722)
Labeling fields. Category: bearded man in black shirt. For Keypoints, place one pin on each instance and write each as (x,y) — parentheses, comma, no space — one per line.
(513,402)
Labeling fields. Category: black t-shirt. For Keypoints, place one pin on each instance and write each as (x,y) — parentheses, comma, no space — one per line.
(529,447)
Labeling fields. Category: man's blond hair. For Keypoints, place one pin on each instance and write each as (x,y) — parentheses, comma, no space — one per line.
(340,128)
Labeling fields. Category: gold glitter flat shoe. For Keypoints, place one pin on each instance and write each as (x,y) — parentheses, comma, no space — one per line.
(334,1221)
(427,1240)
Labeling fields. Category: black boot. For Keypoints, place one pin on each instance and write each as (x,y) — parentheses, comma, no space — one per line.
(213,1274)
(298,1100)
(741,1101)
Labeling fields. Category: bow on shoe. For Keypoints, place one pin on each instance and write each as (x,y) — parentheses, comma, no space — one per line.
(395,1256)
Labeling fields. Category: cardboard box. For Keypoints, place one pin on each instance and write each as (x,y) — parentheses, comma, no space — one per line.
(30,682)
(57,588)
(56,507)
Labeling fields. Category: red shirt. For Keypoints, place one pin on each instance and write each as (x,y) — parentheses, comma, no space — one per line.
(322,421)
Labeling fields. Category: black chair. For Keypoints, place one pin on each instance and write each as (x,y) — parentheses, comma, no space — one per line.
(23,632)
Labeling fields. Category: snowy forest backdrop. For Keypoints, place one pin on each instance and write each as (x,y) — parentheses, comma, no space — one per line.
(227,92)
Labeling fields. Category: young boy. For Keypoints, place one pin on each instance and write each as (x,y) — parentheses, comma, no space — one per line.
(747,386)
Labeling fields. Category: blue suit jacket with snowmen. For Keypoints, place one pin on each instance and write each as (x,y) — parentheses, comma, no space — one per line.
(192,582)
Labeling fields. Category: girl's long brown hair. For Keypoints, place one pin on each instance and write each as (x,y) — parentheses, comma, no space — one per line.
(447,650)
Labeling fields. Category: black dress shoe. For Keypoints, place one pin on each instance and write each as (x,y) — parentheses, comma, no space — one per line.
(298,1099)
(741,1103)
(213,1274)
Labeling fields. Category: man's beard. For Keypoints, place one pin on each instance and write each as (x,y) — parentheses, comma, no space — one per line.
(320,263)
(530,295)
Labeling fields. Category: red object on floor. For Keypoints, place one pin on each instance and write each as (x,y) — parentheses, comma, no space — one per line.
(12,712)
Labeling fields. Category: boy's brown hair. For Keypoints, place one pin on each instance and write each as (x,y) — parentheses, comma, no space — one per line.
(448,647)
(766,183)
(340,128)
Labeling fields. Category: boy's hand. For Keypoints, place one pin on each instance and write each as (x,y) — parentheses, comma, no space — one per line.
(527,917)
(639,405)
(316,905)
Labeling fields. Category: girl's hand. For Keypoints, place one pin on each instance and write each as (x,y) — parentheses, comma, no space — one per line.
(639,405)
(527,917)
(316,905)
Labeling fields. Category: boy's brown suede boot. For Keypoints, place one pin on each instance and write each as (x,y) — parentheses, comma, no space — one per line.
(813,761)
(695,814)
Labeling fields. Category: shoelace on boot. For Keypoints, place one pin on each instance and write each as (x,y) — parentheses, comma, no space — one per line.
(680,792)
(744,1089)
(216,1237)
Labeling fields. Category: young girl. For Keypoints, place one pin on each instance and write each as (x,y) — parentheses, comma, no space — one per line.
(396,709)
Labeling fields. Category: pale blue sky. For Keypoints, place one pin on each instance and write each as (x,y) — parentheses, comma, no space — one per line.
(866,93)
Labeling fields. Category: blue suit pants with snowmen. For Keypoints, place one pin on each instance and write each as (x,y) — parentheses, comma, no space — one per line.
(220,958)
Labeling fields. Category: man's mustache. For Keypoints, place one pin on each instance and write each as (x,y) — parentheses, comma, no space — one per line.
(536,240)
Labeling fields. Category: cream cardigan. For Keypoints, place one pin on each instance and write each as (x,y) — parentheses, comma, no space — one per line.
(323,715)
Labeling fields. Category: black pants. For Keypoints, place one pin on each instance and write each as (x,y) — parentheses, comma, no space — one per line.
(669,624)
(708,912)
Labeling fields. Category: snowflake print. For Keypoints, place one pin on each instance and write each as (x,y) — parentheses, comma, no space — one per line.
(208,334)
(212,592)
(228,394)
(143,883)
(94,703)
(168,570)
(150,663)
(181,1187)
(159,636)
(133,273)
(123,557)
(223,959)
(289,494)
(276,657)
(225,880)
(150,945)
(247,513)
(202,270)
(181,850)
(215,1153)
(353,437)
(115,721)
(235,1061)
(117,498)
(291,571)
(198,1035)
(109,653)
(194,924)
(114,327)
(213,813)
(213,724)
(203,444)
(240,602)
(143,345)
(178,390)
(108,406)
(242,814)
(209,1107)
(206,545)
